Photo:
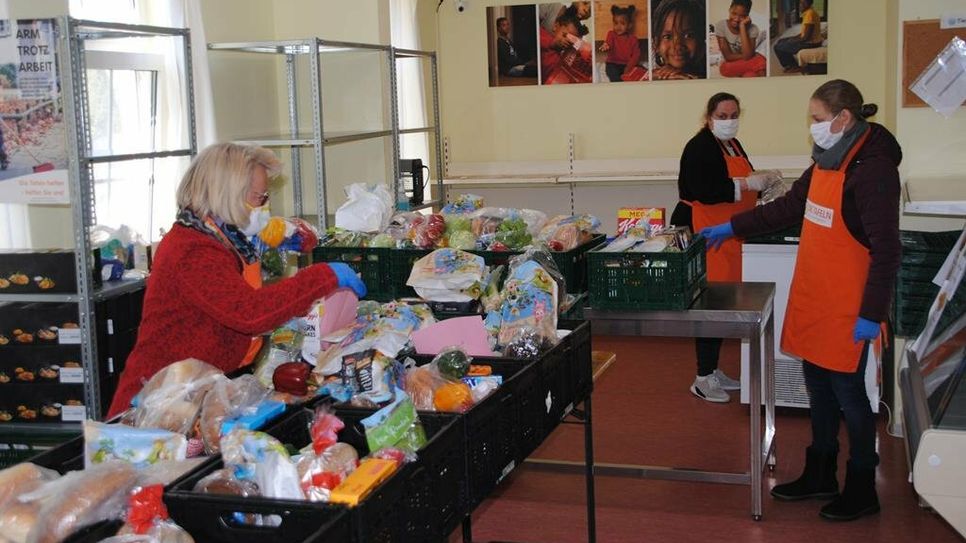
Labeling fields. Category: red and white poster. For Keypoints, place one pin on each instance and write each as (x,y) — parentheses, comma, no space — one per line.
(33,138)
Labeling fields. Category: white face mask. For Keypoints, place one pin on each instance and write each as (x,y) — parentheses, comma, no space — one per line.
(257,220)
(724,129)
(822,134)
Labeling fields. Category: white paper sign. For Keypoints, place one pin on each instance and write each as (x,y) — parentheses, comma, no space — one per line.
(69,336)
(72,375)
(73,413)
(942,85)
(952,20)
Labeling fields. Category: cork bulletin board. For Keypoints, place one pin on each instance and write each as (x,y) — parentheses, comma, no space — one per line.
(921,42)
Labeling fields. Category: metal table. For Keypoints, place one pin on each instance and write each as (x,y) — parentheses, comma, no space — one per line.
(725,310)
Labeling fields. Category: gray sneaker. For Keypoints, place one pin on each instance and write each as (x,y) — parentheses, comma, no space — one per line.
(708,388)
(727,383)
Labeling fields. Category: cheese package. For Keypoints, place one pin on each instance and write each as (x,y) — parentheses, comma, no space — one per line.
(362,481)
(630,217)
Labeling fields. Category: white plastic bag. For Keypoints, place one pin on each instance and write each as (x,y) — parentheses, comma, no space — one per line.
(367,209)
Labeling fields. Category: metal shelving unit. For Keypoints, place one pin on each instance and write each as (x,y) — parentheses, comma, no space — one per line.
(318,138)
(72,36)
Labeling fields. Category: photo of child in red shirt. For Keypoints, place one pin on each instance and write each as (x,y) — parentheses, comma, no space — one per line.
(564,56)
(621,45)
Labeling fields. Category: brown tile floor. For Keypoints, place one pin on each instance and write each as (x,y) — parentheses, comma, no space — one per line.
(643,413)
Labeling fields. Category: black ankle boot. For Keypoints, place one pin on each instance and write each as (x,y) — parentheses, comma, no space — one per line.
(817,480)
(858,497)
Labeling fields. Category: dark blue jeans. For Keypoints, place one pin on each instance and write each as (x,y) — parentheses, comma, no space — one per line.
(833,394)
(787,48)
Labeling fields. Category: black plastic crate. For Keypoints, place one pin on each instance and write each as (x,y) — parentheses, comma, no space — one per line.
(928,242)
(581,354)
(372,263)
(489,429)
(380,517)
(21,445)
(629,280)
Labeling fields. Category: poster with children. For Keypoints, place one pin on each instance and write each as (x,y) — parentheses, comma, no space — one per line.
(566,43)
(620,40)
(512,39)
(737,38)
(678,46)
(33,141)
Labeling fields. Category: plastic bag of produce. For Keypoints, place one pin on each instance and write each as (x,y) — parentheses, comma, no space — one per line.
(367,209)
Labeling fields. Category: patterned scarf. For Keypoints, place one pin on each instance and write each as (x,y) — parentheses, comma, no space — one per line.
(236,237)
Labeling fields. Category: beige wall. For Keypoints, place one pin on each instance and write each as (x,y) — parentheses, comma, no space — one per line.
(647,120)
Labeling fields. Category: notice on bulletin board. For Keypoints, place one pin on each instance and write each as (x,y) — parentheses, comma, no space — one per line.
(33,137)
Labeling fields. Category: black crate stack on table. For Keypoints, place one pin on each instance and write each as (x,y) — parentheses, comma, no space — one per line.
(923,253)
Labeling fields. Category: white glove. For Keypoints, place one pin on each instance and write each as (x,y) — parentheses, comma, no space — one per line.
(763,179)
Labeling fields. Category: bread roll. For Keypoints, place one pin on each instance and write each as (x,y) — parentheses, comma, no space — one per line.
(17,519)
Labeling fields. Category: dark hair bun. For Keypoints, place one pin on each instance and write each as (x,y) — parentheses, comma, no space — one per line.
(868,110)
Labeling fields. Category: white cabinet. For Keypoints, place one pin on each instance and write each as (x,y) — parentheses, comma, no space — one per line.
(775,263)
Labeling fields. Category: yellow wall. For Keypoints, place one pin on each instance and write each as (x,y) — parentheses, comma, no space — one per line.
(646,120)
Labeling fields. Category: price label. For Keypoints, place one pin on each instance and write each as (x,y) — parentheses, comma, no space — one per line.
(72,375)
(69,336)
(73,413)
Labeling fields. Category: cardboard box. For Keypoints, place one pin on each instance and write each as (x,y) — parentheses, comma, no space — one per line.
(629,217)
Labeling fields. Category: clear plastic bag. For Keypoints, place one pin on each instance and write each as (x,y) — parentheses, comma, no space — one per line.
(260,458)
(326,464)
(367,209)
(82,498)
(21,479)
(227,399)
(540,254)
(224,482)
(171,400)
(437,386)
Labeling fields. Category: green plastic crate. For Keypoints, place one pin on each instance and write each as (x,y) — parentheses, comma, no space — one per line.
(372,263)
(20,445)
(647,280)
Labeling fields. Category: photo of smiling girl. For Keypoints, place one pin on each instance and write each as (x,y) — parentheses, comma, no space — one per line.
(678,36)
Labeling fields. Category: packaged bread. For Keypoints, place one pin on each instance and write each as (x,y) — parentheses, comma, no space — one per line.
(227,399)
(21,479)
(171,400)
(80,499)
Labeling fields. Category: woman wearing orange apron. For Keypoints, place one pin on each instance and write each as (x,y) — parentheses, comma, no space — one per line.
(841,292)
(204,298)
(714,185)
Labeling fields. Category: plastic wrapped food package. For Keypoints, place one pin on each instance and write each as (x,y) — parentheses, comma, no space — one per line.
(224,481)
(396,425)
(141,447)
(227,398)
(448,275)
(171,400)
(79,499)
(464,203)
(541,255)
(148,521)
(284,345)
(530,301)
(566,232)
(260,458)
(367,208)
(21,479)
(437,386)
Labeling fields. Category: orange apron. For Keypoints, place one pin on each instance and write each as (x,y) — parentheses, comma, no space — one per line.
(252,274)
(725,263)
(830,276)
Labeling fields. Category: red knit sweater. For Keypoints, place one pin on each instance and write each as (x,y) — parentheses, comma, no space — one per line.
(198,306)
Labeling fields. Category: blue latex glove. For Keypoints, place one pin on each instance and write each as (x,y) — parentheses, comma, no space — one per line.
(347,278)
(865,330)
(716,235)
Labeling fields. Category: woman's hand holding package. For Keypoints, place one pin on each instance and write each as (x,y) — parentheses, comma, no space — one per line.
(763,180)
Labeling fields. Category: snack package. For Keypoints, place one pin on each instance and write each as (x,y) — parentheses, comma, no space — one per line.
(171,400)
(368,377)
(632,217)
(228,398)
(21,479)
(529,302)
(448,275)
(261,459)
(396,425)
(367,209)
(140,447)
(464,203)
(79,499)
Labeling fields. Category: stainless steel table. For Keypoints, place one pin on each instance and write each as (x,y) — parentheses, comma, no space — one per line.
(725,310)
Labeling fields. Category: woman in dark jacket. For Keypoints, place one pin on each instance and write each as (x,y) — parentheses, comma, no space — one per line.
(841,292)
(716,181)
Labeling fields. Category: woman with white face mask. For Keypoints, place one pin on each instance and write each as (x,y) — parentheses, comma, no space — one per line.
(204,298)
(716,181)
(841,292)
